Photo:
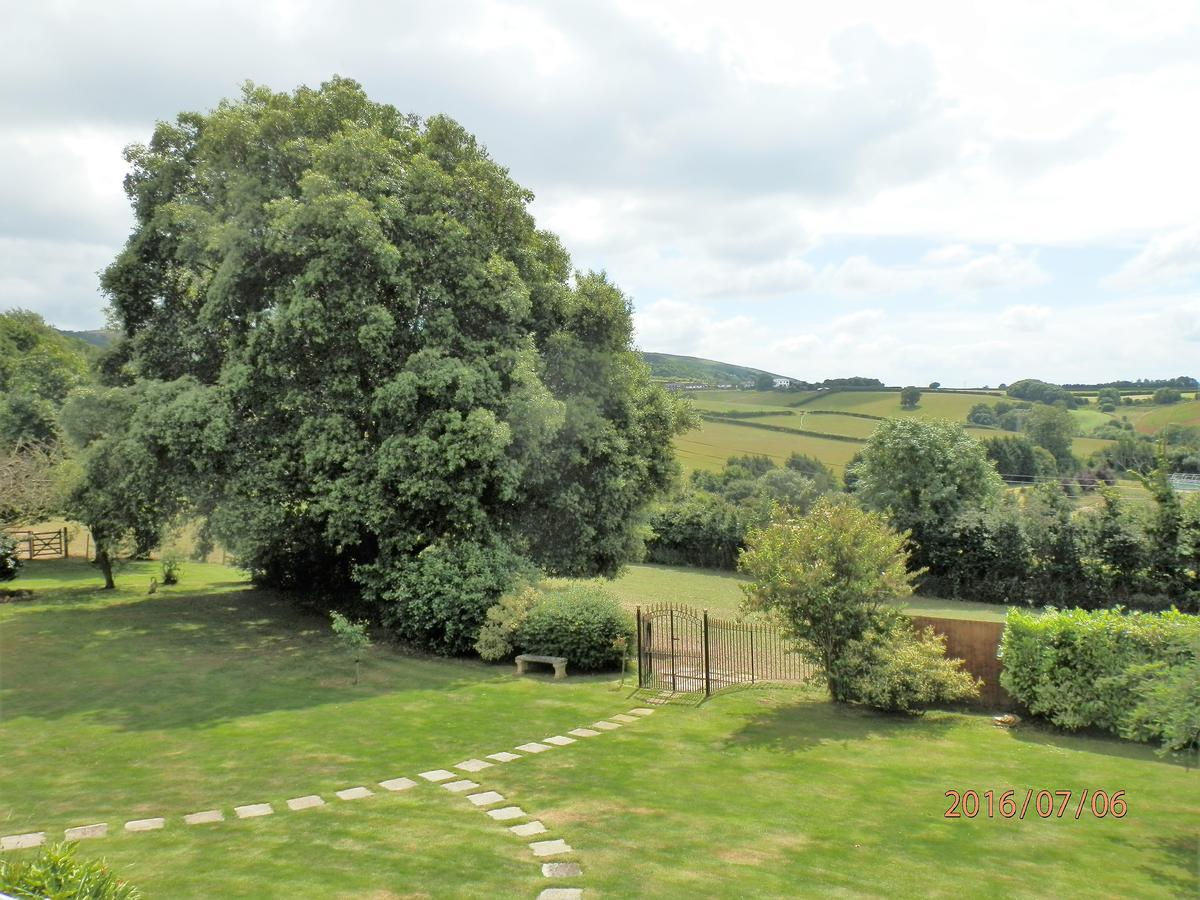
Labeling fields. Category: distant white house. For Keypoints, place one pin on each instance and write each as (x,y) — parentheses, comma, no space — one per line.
(783,382)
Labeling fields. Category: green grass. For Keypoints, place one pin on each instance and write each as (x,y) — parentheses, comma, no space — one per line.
(1154,420)
(713,442)
(1089,418)
(887,403)
(118,705)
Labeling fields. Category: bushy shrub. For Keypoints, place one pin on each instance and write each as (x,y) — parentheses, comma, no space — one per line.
(10,563)
(899,669)
(700,530)
(1168,706)
(1084,669)
(56,873)
(171,568)
(582,623)
(498,634)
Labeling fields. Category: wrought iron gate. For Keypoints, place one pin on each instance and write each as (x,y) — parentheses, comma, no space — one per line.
(682,650)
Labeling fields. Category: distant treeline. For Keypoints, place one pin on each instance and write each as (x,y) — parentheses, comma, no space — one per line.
(1183,382)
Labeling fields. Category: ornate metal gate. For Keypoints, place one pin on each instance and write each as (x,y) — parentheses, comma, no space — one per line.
(682,650)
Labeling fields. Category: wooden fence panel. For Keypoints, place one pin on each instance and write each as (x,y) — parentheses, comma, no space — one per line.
(977,645)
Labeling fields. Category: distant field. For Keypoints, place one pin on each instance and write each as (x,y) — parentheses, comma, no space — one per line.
(710,445)
(744,399)
(849,426)
(1087,419)
(1083,447)
(1157,418)
(887,403)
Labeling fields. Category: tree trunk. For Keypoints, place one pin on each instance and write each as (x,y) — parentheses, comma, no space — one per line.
(105,565)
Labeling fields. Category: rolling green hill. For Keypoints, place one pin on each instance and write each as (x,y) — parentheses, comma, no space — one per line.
(669,367)
(98,337)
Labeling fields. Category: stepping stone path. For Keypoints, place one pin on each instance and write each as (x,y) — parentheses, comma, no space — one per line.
(21,841)
(305,802)
(86,831)
(251,811)
(487,798)
(451,781)
(505,813)
(145,824)
(203,818)
(474,765)
(528,829)
(398,784)
(550,848)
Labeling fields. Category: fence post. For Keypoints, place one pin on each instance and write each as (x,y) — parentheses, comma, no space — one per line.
(672,636)
(639,647)
(30,539)
(66,545)
(707,682)
(752,655)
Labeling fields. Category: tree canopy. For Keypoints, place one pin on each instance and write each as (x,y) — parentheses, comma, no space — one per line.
(415,393)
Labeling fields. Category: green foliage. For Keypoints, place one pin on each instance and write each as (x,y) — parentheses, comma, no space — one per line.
(1042,392)
(763,382)
(10,562)
(1168,707)
(826,577)
(420,396)
(582,622)
(56,874)
(1094,669)
(983,414)
(33,480)
(1053,428)
(498,634)
(351,637)
(910,397)
(1167,395)
(701,529)
(1016,458)
(170,568)
(899,669)
(813,468)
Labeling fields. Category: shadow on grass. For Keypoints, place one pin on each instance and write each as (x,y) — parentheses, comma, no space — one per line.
(1039,732)
(1172,862)
(797,726)
(145,663)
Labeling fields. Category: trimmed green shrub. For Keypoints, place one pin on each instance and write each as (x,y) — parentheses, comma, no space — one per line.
(56,874)
(10,563)
(581,622)
(899,669)
(504,620)
(1083,669)
(1168,705)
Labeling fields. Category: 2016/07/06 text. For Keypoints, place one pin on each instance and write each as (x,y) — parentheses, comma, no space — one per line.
(1044,804)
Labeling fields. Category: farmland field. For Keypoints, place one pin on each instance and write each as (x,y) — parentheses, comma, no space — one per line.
(713,442)
(1158,418)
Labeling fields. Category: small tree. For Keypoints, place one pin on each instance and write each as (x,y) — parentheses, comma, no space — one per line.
(763,382)
(826,577)
(910,397)
(351,637)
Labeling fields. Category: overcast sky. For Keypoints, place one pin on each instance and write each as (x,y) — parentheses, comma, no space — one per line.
(964,192)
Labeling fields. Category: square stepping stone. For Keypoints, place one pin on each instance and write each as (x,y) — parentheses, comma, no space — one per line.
(584,732)
(641,711)
(21,841)
(253,810)
(558,740)
(354,793)
(305,802)
(605,726)
(504,756)
(561,870)
(86,831)
(204,817)
(145,824)
(474,765)
(397,784)
(487,798)
(438,775)
(550,848)
(507,812)
(561,894)
(621,717)
(533,747)
(457,787)
(528,829)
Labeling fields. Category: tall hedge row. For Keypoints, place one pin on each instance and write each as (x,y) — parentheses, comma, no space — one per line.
(1102,669)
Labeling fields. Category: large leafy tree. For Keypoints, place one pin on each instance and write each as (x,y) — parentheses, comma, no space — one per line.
(421,398)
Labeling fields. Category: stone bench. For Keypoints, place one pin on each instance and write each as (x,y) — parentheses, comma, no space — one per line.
(559,663)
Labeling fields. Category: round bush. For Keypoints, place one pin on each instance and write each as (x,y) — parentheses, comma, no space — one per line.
(582,623)
(10,564)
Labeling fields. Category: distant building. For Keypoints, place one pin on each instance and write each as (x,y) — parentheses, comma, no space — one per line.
(783,382)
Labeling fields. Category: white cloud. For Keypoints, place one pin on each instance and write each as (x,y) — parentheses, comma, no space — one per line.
(954,270)
(1025,318)
(1166,260)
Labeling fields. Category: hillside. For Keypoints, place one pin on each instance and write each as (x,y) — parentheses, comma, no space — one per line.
(97,338)
(669,367)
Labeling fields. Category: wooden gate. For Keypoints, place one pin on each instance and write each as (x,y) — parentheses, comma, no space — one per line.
(682,650)
(42,544)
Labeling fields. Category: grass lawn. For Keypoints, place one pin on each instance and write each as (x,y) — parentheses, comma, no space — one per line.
(119,705)
(1154,420)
